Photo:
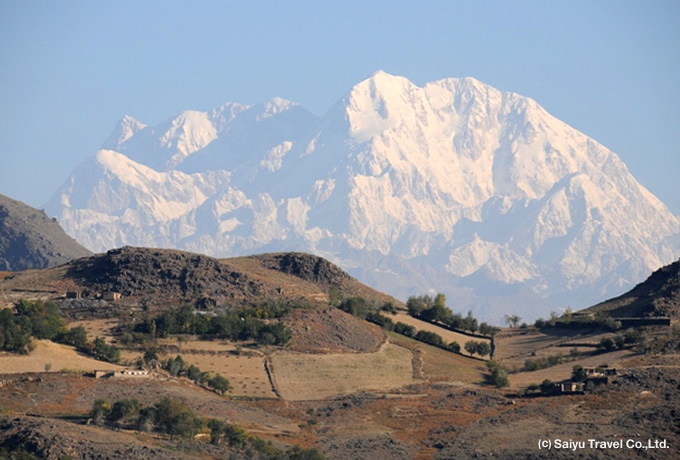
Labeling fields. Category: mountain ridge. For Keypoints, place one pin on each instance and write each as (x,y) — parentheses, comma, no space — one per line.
(454,178)
(31,240)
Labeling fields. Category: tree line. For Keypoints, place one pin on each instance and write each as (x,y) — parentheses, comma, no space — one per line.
(175,418)
(361,308)
(260,324)
(42,320)
(434,310)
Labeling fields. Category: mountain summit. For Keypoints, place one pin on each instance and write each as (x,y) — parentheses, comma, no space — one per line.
(452,187)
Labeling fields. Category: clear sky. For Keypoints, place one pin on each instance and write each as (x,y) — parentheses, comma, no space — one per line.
(69,70)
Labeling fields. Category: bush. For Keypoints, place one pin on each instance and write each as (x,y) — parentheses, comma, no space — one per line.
(101,409)
(547,387)
(430,338)
(471,347)
(499,376)
(175,418)
(578,374)
(606,344)
(483,348)
(76,337)
(531,365)
(105,352)
(405,329)
(389,308)
(632,336)
(453,347)
(381,320)
(219,383)
(356,306)
(124,409)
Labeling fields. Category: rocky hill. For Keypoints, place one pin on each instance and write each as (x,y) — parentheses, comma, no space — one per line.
(658,295)
(29,239)
(166,277)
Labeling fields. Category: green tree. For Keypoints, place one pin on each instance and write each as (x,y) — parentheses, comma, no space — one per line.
(431,338)
(499,376)
(219,383)
(578,373)
(124,409)
(150,355)
(454,347)
(483,348)
(176,418)
(471,347)
(194,373)
(404,329)
(547,387)
(606,344)
(102,350)
(100,411)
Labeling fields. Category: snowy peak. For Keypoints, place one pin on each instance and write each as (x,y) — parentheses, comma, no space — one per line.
(454,186)
(275,106)
(190,132)
(127,127)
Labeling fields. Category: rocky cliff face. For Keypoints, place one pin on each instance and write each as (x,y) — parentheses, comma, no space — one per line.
(453,187)
(29,239)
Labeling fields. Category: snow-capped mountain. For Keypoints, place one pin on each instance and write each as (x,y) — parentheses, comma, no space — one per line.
(453,187)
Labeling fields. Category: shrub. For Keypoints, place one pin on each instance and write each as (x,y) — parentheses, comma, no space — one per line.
(103,351)
(175,418)
(100,411)
(471,347)
(404,329)
(578,374)
(499,376)
(632,336)
(547,387)
(381,320)
(356,306)
(606,344)
(483,348)
(124,409)
(219,383)
(429,338)
(454,347)
(76,337)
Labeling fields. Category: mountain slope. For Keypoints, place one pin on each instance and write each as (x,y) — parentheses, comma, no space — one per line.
(29,239)
(453,186)
(658,295)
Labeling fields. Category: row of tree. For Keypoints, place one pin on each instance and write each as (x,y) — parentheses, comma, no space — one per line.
(175,418)
(241,324)
(359,307)
(434,310)
(42,320)
(177,367)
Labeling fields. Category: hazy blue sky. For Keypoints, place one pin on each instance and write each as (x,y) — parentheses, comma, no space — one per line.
(70,69)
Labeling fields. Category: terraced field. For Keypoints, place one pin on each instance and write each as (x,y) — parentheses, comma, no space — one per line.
(300,376)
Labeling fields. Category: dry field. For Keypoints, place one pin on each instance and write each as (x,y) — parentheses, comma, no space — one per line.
(51,355)
(515,346)
(447,335)
(436,365)
(246,372)
(97,328)
(563,371)
(300,376)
